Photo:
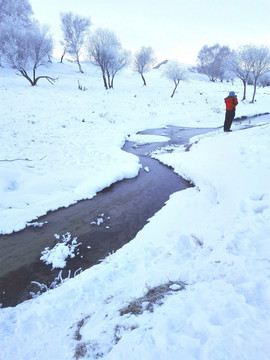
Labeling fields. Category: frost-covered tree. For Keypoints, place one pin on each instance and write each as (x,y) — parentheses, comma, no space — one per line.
(213,61)
(119,61)
(16,12)
(241,65)
(174,72)
(260,64)
(223,58)
(143,61)
(27,49)
(264,80)
(101,47)
(15,8)
(75,29)
(250,63)
(106,52)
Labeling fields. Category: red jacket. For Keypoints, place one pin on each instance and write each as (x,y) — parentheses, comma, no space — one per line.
(231,102)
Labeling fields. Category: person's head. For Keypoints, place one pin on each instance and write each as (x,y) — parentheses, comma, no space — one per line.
(232,93)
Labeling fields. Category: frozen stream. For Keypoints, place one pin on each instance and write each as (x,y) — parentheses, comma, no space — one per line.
(124,208)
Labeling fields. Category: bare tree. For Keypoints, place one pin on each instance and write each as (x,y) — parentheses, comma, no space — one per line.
(260,64)
(174,72)
(213,61)
(143,61)
(27,49)
(75,29)
(106,52)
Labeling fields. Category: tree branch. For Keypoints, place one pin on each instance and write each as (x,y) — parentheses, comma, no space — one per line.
(50,79)
(10,160)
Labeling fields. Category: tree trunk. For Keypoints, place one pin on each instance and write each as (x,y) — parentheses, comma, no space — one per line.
(176,84)
(254,91)
(78,62)
(80,68)
(34,77)
(104,80)
(25,75)
(112,82)
(109,80)
(62,57)
(144,82)
(245,89)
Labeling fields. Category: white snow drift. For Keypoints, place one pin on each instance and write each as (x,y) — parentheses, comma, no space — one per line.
(194,283)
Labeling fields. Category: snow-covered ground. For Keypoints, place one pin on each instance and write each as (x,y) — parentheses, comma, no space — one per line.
(194,283)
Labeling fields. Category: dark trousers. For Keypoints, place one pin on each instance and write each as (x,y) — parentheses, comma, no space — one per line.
(230,114)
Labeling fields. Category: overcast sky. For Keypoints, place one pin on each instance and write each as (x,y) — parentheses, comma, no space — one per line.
(176,29)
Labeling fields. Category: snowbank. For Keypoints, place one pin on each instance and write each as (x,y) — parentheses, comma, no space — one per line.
(60,144)
(194,283)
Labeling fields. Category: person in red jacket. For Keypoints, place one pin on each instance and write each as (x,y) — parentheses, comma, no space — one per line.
(231,102)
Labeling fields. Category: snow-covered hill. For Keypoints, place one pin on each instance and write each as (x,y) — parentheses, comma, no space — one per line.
(194,283)
(66,143)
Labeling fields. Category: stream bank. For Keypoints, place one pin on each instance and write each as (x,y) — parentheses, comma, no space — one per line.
(101,225)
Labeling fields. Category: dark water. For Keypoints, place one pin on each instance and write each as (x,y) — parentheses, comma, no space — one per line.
(125,207)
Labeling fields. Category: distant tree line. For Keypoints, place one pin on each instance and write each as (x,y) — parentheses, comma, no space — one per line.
(27,46)
(249,63)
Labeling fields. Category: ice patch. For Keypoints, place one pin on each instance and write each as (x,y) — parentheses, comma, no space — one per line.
(60,252)
(100,220)
(147,139)
(37,224)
